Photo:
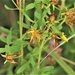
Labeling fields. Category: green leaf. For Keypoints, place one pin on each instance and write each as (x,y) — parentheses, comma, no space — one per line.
(37,15)
(7,48)
(43,22)
(47,73)
(36,51)
(59,27)
(48,10)
(32,61)
(55,29)
(22,68)
(72,51)
(4,29)
(28,17)
(35,25)
(46,1)
(30,6)
(8,8)
(14,49)
(3,39)
(37,1)
(2,50)
(44,13)
(53,7)
(19,42)
(15,32)
(9,37)
(25,26)
(29,48)
(47,69)
(44,35)
(65,66)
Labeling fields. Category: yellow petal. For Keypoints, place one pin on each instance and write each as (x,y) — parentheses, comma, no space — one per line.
(63,37)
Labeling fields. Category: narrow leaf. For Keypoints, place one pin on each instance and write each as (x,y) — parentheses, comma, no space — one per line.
(59,27)
(3,39)
(48,11)
(28,17)
(30,6)
(14,49)
(25,25)
(47,69)
(9,37)
(65,66)
(8,8)
(22,68)
(4,29)
(36,51)
(55,29)
(7,48)
(37,15)
(2,50)
(19,42)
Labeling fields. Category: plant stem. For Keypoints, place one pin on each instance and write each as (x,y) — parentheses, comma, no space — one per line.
(21,6)
(15,4)
(69,61)
(39,57)
(20,23)
(72,29)
(62,6)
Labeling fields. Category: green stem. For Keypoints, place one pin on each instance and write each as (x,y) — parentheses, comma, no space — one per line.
(39,57)
(62,5)
(20,23)
(21,6)
(69,61)
(15,4)
(72,29)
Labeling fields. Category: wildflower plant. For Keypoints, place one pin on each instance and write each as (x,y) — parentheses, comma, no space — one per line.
(35,49)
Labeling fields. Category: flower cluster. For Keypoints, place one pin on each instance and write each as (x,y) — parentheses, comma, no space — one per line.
(10,57)
(35,35)
(70,17)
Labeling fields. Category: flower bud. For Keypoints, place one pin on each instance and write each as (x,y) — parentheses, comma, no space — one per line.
(63,37)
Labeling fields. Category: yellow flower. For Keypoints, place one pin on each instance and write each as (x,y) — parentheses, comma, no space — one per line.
(10,57)
(63,37)
(35,35)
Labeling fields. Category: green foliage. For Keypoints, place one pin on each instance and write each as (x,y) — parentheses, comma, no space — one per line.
(37,15)
(32,46)
(3,39)
(28,17)
(8,8)
(2,50)
(30,6)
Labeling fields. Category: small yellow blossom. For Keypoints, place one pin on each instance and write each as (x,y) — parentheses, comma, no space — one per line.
(10,57)
(35,35)
(63,37)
